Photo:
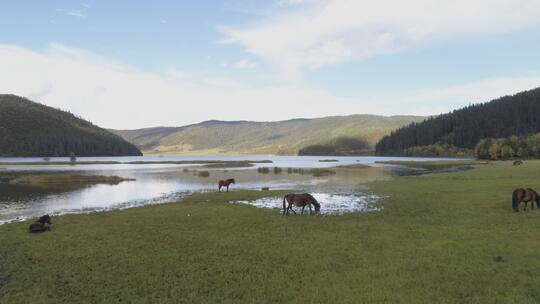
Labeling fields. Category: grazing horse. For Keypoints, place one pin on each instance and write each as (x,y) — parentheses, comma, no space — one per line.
(518,162)
(300,200)
(524,195)
(41,225)
(225,183)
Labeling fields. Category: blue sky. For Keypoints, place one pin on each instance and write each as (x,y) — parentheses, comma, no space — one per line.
(180,62)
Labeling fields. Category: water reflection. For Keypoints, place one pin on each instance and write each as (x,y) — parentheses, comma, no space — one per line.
(166,183)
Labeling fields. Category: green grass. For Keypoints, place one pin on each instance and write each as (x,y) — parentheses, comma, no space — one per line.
(434,165)
(316,172)
(435,242)
(232,164)
(263,138)
(67,180)
(355,166)
(203,173)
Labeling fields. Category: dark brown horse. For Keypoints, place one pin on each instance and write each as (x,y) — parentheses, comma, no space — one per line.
(225,183)
(524,195)
(300,200)
(41,225)
(518,162)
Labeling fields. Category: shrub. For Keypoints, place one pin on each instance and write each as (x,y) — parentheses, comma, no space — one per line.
(263,170)
(203,174)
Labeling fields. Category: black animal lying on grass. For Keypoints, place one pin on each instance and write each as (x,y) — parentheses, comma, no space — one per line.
(41,225)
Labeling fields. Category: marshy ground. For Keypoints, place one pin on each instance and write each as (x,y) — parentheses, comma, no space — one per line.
(441,238)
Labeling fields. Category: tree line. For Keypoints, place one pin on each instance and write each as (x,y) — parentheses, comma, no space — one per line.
(464,128)
(509,147)
(340,146)
(32,129)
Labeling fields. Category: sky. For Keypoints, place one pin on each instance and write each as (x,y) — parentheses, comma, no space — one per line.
(135,64)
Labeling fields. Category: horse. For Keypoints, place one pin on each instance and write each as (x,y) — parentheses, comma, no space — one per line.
(524,195)
(41,225)
(225,183)
(300,200)
(518,162)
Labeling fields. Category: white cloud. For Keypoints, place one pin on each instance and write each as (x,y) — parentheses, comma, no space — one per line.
(112,94)
(79,13)
(244,64)
(327,32)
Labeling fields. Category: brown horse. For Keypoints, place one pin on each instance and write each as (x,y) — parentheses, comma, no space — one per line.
(300,200)
(524,195)
(225,183)
(518,162)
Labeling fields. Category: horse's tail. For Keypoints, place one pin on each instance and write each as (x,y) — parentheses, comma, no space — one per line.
(515,200)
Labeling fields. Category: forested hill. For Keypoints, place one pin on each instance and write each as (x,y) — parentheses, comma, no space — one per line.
(510,115)
(32,129)
(337,135)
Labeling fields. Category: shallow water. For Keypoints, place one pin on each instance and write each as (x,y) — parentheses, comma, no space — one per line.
(160,183)
(277,161)
(331,204)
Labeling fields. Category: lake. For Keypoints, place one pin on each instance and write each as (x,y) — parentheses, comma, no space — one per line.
(341,192)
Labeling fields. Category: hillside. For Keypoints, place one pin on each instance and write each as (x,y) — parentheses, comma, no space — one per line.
(281,137)
(32,129)
(464,128)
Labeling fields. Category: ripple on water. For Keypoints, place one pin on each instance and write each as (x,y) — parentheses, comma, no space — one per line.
(331,204)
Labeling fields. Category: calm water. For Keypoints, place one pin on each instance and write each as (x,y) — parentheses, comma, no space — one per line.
(160,183)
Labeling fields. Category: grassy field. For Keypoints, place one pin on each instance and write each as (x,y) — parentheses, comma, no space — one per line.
(442,238)
(263,138)
(435,164)
(67,180)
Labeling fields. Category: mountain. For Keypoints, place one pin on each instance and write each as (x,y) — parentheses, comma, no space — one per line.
(464,128)
(281,137)
(28,128)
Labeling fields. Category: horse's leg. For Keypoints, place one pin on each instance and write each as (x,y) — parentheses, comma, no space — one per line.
(227,188)
(303,207)
(310,211)
(292,209)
